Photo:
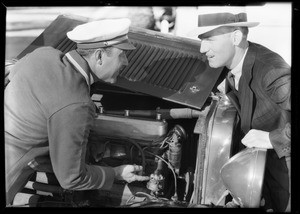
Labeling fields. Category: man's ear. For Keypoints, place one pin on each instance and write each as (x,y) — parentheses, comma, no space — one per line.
(98,56)
(237,37)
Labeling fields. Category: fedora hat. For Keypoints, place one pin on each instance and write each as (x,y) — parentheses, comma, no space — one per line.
(208,22)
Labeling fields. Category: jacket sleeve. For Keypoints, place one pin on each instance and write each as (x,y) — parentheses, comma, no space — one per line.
(277,83)
(68,131)
(9,64)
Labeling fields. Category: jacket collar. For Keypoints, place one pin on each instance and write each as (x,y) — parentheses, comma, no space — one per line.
(81,65)
(249,62)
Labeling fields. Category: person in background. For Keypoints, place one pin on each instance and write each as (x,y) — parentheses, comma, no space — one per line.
(258,83)
(48,109)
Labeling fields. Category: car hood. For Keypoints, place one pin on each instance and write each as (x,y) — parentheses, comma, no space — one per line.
(162,65)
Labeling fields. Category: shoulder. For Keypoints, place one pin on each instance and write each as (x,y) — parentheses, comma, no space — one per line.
(267,61)
(266,57)
(269,69)
(46,52)
(46,49)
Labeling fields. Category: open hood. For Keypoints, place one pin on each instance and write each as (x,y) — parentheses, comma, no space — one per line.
(162,65)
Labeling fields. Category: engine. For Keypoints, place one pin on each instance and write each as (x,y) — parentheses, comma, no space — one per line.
(153,139)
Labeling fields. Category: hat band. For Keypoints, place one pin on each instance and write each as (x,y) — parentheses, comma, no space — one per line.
(220,19)
(103,44)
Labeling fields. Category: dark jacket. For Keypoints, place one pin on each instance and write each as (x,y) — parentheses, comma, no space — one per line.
(264,103)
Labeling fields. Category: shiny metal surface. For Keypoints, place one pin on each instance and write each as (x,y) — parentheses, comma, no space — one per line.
(243,176)
(220,129)
(215,127)
(129,127)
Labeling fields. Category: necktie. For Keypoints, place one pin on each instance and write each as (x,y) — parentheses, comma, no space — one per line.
(230,78)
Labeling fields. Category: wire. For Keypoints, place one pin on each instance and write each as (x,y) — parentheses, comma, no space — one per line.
(162,143)
(146,194)
(142,153)
(225,193)
(131,158)
(129,199)
(170,166)
(136,203)
(158,141)
(141,193)
(137,145)
(151,198)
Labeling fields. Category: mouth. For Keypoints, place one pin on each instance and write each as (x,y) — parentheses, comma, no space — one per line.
(209,57)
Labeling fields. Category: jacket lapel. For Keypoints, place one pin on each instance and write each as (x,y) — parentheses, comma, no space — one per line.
(232,97)
(230,93)
(246,94)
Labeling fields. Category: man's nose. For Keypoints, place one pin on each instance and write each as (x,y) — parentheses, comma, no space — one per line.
(203,47)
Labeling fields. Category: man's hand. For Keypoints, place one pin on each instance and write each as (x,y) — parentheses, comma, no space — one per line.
(127,173)
(257,138)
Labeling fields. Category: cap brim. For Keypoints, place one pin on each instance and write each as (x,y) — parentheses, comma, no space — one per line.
(125,46)
(201,30)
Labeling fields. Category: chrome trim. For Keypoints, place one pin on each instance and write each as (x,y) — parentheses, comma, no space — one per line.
(220,130)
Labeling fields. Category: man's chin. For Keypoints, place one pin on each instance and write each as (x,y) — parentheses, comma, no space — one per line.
(212,65)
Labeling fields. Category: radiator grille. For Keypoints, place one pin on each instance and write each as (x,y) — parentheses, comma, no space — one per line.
(159,66)
(169,67)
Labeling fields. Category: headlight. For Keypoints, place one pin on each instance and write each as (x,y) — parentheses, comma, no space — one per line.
(243,176)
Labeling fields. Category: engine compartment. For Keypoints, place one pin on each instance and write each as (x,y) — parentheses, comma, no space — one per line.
(140,130)
(181,149)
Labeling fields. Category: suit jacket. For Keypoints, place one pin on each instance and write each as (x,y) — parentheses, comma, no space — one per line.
(263,100)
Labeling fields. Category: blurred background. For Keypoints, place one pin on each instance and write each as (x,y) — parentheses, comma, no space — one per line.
(24,24)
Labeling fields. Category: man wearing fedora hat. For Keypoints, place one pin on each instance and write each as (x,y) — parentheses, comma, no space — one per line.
(48,109)
(258,83)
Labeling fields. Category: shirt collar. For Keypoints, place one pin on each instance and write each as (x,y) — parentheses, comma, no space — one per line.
(237,70)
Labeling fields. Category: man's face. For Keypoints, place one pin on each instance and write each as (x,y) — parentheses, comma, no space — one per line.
(112,62)
(217,45)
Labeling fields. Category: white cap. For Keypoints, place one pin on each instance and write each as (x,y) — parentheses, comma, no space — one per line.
(102,33)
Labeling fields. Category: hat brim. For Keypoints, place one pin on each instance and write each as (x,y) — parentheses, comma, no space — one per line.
(124,46)
(201,30)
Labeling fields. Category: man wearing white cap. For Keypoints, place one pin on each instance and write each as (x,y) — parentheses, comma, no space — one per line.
(48,109)
(258,84)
